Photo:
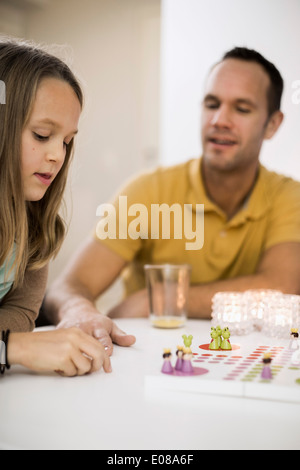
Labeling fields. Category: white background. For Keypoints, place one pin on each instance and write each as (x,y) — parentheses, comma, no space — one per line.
(195,35)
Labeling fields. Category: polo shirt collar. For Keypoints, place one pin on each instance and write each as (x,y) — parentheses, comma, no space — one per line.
(254,207)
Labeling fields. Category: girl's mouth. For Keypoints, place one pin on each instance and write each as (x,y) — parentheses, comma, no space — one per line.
(45,178)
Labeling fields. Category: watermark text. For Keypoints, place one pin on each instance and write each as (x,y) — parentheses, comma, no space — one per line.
(2,353)
(160,222)
(2,92)
(296,93)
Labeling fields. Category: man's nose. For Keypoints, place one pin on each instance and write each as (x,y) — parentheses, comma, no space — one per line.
(222,118)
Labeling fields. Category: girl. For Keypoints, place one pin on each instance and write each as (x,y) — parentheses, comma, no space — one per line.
(38,122)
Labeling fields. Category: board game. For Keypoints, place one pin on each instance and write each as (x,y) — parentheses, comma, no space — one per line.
(237,372)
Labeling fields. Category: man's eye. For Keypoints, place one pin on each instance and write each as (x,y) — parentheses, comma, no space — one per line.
(211,105)
(243,110)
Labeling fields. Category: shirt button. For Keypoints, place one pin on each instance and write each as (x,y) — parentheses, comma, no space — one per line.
(223,233)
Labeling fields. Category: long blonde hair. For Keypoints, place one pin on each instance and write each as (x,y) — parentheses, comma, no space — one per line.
(36,228)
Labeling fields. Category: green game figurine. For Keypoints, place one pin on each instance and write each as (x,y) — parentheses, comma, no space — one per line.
(219,330)
(215,342)
(187,340)
(226,343)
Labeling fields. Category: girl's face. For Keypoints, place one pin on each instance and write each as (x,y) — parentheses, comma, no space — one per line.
(51,126)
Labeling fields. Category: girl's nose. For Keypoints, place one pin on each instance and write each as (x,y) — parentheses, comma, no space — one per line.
(56,153)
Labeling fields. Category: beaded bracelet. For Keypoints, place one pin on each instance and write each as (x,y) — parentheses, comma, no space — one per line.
(6,365)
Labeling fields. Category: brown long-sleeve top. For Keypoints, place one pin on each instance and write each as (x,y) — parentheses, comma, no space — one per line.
(20,307)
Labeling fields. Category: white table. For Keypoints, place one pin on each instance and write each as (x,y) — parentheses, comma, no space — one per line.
(112,411)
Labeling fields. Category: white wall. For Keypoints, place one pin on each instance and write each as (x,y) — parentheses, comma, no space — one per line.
(195,34)
(12,19)
(113,46)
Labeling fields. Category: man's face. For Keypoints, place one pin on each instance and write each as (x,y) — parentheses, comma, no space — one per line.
(234,115)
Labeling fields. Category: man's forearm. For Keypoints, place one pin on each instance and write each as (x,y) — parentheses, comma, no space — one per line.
(64,298)
(200,296)
(87,276)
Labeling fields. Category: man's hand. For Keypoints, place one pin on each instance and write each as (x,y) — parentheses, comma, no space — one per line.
(85,316)
(135,306)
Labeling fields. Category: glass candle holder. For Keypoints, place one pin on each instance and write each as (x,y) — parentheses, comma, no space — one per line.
(266,310)
(231,309)
(257,301)
(281,314)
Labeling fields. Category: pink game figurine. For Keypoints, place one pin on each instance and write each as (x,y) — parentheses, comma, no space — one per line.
(167,367)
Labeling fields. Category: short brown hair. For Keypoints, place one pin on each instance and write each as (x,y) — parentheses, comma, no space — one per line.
(276,87)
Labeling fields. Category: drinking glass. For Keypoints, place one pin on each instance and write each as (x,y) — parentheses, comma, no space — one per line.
(168,289)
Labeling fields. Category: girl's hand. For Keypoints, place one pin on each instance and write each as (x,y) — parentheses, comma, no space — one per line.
(69,352)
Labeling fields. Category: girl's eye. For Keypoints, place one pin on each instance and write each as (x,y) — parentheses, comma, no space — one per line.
(40,138)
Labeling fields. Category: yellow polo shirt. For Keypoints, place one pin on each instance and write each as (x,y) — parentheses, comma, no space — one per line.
(270,216)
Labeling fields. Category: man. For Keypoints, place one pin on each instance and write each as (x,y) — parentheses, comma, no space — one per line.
(251,215)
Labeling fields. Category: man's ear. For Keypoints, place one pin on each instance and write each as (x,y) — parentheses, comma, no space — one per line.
(273,124)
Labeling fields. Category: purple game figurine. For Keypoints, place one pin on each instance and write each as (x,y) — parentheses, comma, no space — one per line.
(167,367)
(187,367)
(266,372)
(179,354)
